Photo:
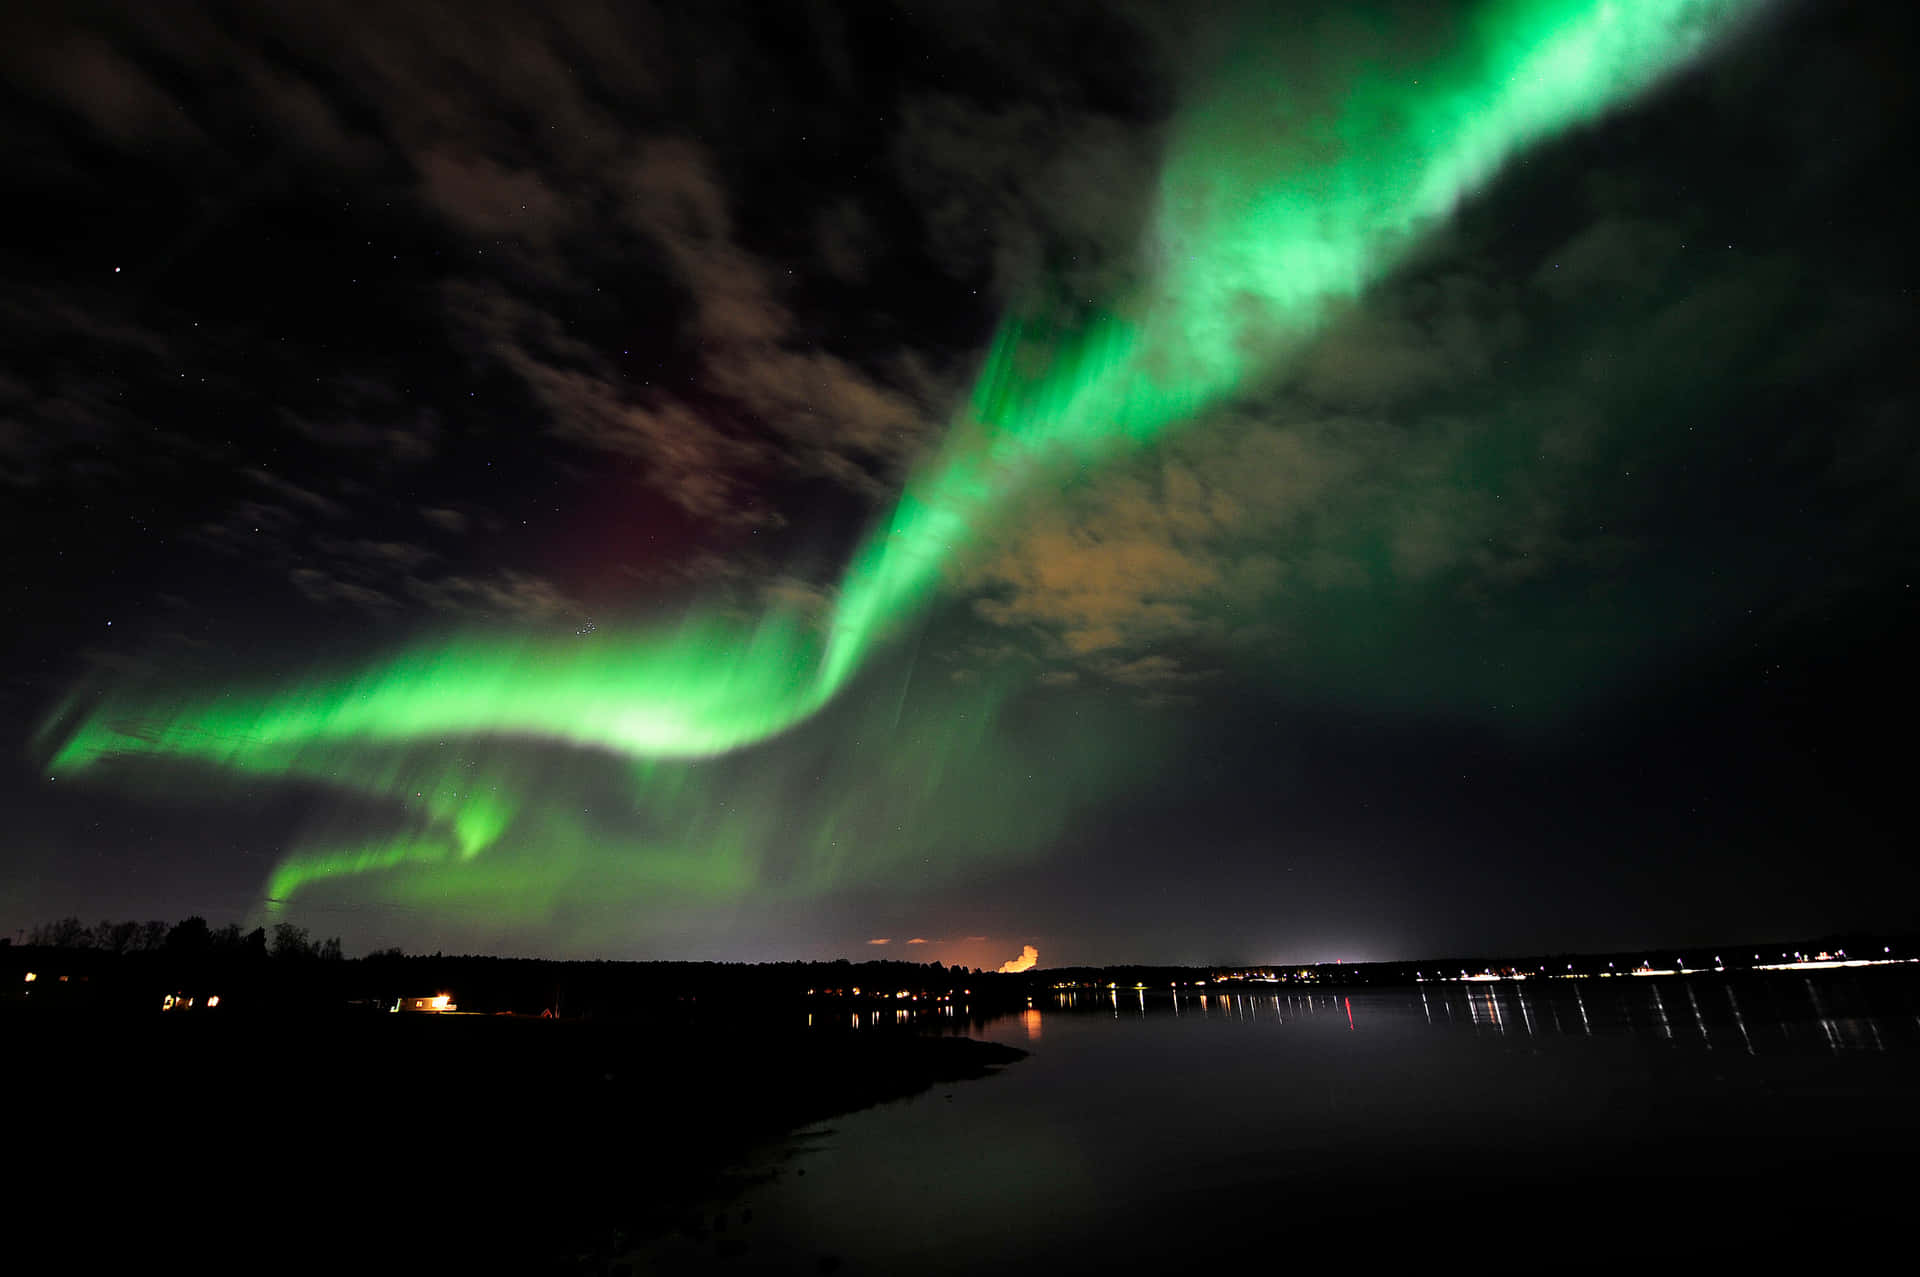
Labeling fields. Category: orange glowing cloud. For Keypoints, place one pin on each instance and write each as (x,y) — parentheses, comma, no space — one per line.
(1028,956)
(882,940)
(916,940)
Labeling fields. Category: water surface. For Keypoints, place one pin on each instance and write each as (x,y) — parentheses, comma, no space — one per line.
(1556,1125)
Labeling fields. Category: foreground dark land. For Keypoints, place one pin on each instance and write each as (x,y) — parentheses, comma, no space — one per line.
(395,1141)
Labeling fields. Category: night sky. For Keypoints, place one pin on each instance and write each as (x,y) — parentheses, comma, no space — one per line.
(1152,483)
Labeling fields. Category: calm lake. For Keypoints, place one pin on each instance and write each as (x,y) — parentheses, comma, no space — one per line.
(1542,1125)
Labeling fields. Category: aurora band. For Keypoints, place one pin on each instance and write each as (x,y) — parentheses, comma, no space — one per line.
(1269,212)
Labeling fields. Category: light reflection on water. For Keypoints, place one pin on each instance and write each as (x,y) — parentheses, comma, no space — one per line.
(1706,1013)
(1140,1136)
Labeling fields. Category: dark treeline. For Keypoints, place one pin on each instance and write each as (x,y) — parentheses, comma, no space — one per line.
(188,936)
(136,966)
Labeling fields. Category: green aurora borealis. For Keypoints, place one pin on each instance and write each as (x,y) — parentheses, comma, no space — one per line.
(516,774)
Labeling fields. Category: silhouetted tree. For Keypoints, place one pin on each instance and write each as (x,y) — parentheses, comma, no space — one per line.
(153,936)
(330,949)
(255,944)
(117,937)
(68,933)
(290,941)
(190,935)
(228,939)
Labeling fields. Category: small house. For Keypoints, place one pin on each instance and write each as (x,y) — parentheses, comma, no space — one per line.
(189,1001)
(437,1003)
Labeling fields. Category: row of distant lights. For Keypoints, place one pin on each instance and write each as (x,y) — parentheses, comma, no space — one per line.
(181,1002)
(1679,968)
(1197,984)
(168,1003)
(903,994)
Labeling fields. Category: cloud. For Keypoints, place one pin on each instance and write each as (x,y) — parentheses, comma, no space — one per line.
(882,940)
(65,408)
(835,419)
(1126,563)
(917,940)
(402,556)
(690,459)
(506,594)
(1011,193)
(1028,957)
(320,587)
(490,200)
(1148,671)
(296,495)
(1146,573)
(537,138)
(841,235)
(408,441)
(104,87)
